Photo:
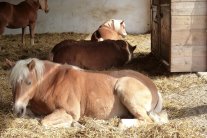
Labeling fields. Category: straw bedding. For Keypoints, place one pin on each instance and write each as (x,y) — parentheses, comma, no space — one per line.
(185,95)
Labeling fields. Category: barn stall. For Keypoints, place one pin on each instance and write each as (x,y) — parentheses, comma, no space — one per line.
(179,34)
(184,94)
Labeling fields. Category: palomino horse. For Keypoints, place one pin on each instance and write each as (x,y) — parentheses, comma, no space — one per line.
(111,29)
(64,93)
(93,55)
(20,16)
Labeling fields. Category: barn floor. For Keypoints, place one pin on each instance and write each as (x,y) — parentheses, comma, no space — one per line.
(185,95)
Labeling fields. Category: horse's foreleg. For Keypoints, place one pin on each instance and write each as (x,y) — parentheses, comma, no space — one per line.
(2,26)
(23,33)
(32,33)
(59,118)
(135,97)
(1,30)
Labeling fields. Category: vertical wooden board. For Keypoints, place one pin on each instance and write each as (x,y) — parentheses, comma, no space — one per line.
(188,58)
(188,68)
(189,23)
(155,38)
(155,2)
(165,33)
(165,1)
(189,51)
(187,1)
(188,64)
(189,8)
(189,38)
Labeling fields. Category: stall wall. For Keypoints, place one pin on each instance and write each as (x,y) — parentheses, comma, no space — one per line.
(84,16)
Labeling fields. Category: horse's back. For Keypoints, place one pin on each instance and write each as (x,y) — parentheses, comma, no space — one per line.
(104,95)
(17,16)
(5,6)
(88,45)
(5,10)
(90,55)
(107,33)
(140,77)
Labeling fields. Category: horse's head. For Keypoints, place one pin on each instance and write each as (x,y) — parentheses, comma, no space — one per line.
(43,5)
(126,47)
(132,48)
(119,26)
(24,80)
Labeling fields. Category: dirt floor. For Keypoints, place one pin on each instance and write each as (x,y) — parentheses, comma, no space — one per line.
(185,95)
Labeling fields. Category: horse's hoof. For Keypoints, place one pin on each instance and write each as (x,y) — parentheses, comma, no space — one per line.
(127,123)
(78,125)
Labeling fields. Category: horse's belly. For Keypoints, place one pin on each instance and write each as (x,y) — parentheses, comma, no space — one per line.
(107,108)
(14,24)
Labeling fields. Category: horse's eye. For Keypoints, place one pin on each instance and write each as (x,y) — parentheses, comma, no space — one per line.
(29,82)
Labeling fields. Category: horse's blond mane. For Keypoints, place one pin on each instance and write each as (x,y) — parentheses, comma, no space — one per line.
(113,24)
(20,71)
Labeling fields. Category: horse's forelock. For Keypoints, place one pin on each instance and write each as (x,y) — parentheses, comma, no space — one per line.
(20,71)
(117,25)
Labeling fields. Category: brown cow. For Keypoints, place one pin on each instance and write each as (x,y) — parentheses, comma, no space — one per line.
(21,15)
(111,29)
(93,55)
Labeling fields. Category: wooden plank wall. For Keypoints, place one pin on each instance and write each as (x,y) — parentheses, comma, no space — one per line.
(189,35)
(165,38)
(155,32)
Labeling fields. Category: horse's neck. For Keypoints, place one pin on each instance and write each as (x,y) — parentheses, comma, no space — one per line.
(33,3)
(109,24)
(45,83)
(47,94)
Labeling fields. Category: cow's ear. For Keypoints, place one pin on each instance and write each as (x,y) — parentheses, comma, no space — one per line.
(9,64)
(122,22)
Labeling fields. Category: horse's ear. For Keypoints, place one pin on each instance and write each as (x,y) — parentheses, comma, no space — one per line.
(9,63)
(134,47)
(31,65)
(43,5)
(122,22)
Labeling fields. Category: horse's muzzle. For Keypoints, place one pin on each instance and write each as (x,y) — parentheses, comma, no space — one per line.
(124,35)
(47,10)
(19,111)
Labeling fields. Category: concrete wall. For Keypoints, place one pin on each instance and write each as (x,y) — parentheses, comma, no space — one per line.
(84,16)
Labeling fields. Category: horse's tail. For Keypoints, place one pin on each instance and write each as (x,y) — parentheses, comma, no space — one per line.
(157,114)
(158,107)
(96,36)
